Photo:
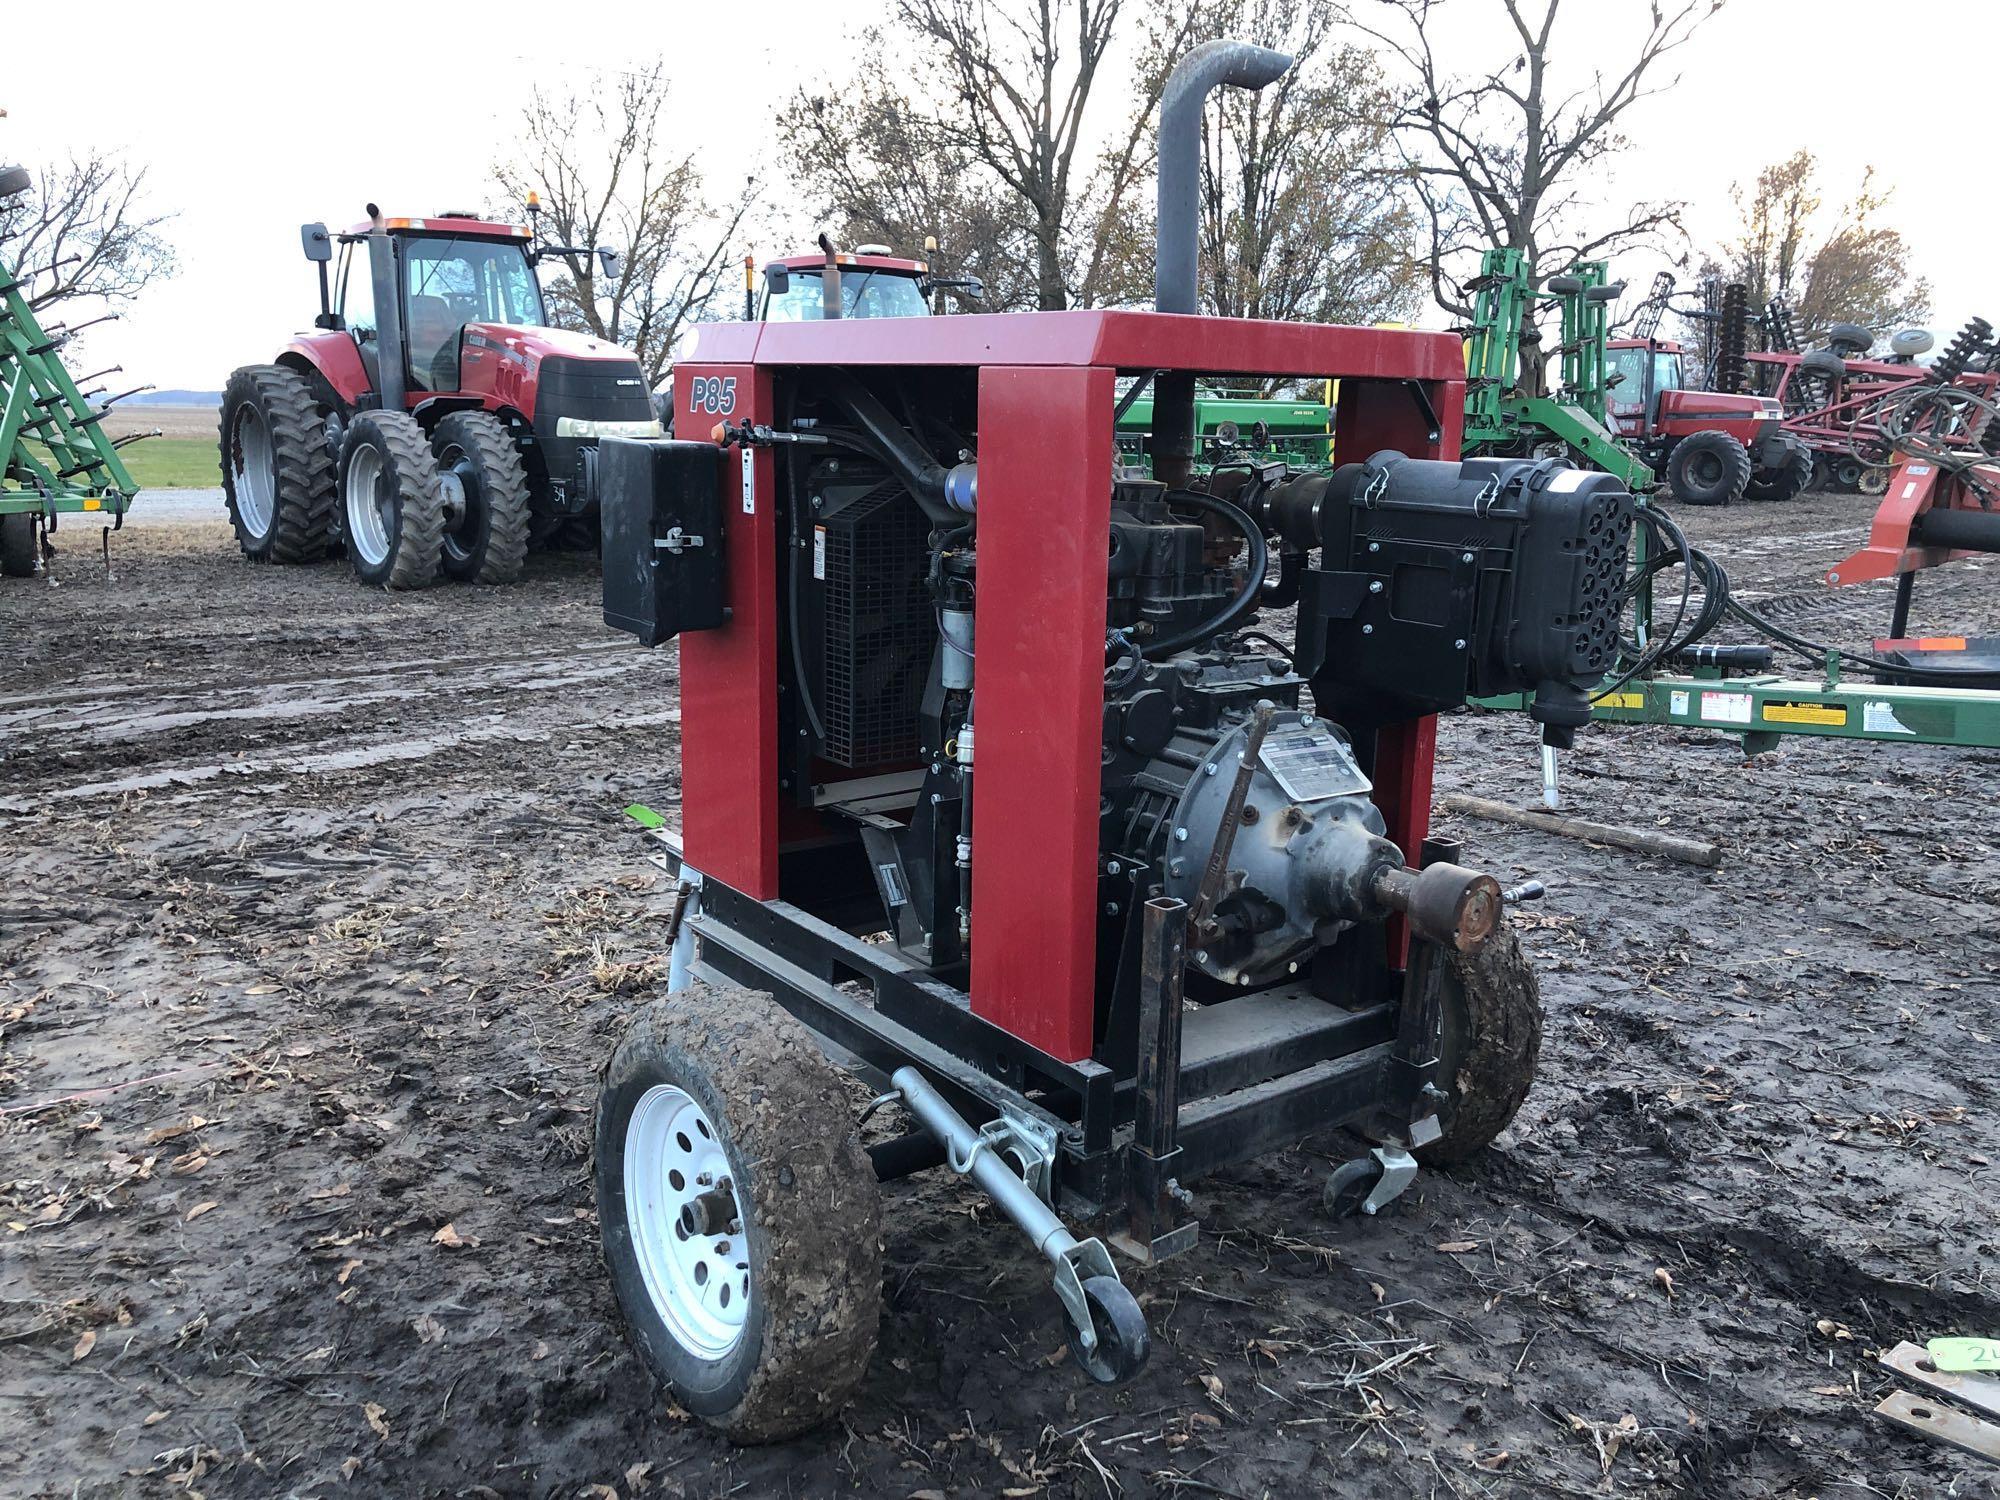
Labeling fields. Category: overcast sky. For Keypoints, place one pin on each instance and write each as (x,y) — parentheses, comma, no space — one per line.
(255,118)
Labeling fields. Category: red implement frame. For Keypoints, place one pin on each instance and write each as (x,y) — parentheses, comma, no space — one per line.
(1915,488)
(1045,455)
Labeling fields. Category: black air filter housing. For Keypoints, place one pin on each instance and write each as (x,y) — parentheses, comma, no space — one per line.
(1440,581)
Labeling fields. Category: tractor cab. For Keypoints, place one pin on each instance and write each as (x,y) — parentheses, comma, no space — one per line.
(1637,372)
(448,272)
(869,282)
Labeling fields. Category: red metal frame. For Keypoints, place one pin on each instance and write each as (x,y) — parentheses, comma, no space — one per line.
(1914,488)
(1045,404)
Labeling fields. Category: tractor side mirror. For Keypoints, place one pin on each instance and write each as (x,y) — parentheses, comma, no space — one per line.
(607,260)
(318,244)
(777,280)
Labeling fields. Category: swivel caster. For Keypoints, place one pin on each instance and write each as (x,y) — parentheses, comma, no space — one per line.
(1123,1341)
(1369,1184)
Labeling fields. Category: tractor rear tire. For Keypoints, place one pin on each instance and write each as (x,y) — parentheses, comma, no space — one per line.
(276,472)
(486,495)
(1787,481)
(391,500)
(1492,1037)
(1709,468)
(17,545)
(765,1330)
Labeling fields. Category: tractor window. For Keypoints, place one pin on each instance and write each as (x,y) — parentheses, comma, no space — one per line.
(1630,393)
(1667,371)
(357,292)
(448,283)
(863,294)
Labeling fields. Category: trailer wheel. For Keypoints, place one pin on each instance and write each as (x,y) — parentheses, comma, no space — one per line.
(276,473)
(1787,481)
(1492,1038)
(1123,1340)
(1873,480)
(391,501)
(17,544)
(717,1103)
(1708,468)
(485,490)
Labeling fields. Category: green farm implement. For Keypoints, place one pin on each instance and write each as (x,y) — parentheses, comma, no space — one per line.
(1504,415)
(54,457)
(1242,429)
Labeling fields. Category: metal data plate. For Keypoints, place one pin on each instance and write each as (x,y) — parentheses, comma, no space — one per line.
(1312,763)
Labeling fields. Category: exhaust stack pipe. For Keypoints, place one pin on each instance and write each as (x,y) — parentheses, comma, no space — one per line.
(1176,243)
(829,280)
(391,353)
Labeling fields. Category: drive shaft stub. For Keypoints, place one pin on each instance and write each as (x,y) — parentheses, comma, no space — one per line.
(1445,903)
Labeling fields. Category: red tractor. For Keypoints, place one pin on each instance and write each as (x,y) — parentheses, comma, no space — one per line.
(432,421)
(1712,448)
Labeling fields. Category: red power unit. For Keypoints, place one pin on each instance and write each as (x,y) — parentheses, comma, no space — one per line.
(1080,808)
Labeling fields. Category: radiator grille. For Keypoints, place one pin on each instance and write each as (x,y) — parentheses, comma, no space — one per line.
(877,630)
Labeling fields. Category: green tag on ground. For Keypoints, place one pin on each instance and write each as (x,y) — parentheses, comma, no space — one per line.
(644,816)
(1965,1356)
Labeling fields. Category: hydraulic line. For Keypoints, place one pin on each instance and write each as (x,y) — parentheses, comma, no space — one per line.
(1247,597)
(1718,603)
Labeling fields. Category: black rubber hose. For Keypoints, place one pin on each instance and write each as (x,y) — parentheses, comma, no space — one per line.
(1247,598)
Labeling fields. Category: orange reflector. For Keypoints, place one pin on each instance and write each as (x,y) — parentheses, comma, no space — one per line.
(719,434)
(1924,643)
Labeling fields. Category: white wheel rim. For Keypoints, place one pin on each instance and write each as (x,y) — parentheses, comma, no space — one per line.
(253,470)
(699,1284)
(368,499)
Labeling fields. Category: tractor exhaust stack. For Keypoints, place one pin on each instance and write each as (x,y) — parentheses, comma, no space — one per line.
(390,383)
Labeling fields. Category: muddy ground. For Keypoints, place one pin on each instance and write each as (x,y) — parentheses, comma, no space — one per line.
(319,914)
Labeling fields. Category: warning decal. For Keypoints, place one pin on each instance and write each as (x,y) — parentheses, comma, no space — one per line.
(1833,715)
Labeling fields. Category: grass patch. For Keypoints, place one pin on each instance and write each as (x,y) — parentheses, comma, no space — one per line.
(174,463)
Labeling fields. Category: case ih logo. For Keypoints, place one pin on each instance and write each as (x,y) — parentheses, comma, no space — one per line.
(713,393)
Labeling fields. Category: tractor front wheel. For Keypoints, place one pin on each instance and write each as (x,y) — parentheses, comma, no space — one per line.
(1787,480)
(1709,468)
(1491,1039)
(17,544)
(276,473)
(485,489)
(391,500)
(741,1218)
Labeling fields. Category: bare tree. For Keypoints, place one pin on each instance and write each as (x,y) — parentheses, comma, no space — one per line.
(1857,272)
(1498,156)
(980,121)
(86,228)
(1301,216)
(881,171)
(606,178)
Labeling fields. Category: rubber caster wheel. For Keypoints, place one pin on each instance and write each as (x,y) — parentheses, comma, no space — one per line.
(1123,1340)
(1349,1186)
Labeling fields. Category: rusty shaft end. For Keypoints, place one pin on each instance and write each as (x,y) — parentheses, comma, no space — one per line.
(1445,903)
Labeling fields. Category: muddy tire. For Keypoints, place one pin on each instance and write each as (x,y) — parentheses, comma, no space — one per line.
(391,501)
(1708,468)
(276,473)
(17,545)
(1787,481)
(485,488)
(1492,1038)
(775,1334)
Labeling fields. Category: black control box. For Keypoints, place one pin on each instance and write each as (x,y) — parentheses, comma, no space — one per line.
(661,505)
